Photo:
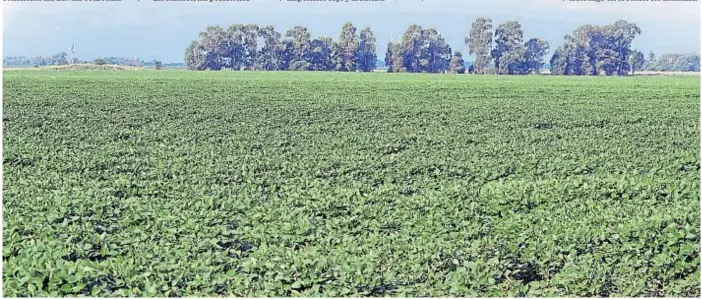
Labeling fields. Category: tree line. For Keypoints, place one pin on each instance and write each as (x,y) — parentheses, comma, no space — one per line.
(61,58)
(589,50)
(595,50)
(685,62)
(254,47)
(424,50)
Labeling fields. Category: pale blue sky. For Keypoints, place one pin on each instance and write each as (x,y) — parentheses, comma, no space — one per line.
(162,30)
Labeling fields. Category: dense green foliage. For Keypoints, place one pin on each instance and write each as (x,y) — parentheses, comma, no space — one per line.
(688,62)
(596,49)
(637,60)
(237,48)
(479,42)
(589,50)
(425,50)
(420,50)
(457,64)
(284,184)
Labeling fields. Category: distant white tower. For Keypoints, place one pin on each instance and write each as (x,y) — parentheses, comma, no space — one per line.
(73,53)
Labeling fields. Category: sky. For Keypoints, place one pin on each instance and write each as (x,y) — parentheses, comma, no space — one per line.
(161,30)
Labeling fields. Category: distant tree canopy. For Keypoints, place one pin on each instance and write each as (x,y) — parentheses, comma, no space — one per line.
(123,61)
(61,58)
(457,64)
(239,48)
(479,42)
(595,50)
(636,61)
(157,64)
(687,62)
(589,50)
(508,54)
(419,51)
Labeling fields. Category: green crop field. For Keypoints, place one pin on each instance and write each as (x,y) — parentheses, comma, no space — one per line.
(180,183)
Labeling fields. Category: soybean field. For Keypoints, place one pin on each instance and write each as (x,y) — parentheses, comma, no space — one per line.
(177,183)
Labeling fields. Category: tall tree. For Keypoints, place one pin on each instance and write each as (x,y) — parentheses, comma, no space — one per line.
(559,62)
(235,53)
(592,50)
(624,34)
(589,39)
(389,57)
(457,63)
(398,57)
(286,52)
(214,41)
(269,55)
(321,54)
(576,57)
(394,58)
(411,44)
(250,35)
(366,56)
(419,50)
(195,56)
(509,48)
(435,53)
(479,41)
(636,61)
(570,59)
(533,56)
(299,39)
(348,42)
(651,56)
(651,61)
